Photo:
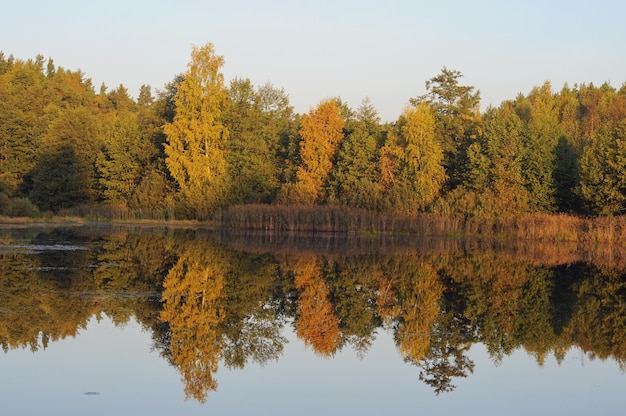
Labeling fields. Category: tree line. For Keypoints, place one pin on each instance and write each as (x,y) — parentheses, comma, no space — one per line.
(200,144)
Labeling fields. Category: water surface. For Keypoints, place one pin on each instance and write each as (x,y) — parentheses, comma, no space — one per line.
(118,320)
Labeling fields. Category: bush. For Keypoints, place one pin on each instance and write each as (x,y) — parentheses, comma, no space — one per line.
(4,202)
(21,207)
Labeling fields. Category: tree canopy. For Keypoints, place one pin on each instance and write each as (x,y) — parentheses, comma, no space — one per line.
(200,144)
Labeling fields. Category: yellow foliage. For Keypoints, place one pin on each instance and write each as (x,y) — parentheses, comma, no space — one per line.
(193,306)
(196,138)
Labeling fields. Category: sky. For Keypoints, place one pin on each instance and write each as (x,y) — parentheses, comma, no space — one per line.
(383,50)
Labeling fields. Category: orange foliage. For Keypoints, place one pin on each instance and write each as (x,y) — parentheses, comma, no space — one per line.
(316,321)
(322,133)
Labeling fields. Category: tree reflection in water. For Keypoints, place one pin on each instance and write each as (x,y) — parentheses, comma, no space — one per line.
(210,302)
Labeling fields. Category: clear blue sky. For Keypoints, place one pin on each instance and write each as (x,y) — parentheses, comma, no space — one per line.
(384,50)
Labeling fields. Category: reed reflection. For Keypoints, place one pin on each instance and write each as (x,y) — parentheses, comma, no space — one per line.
(209,305)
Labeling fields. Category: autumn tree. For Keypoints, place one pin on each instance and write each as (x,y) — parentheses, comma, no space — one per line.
(411,167)
(196,138)
(409,299)
(321,134)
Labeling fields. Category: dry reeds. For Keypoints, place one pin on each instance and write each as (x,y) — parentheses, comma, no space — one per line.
(546,228)
(333,219)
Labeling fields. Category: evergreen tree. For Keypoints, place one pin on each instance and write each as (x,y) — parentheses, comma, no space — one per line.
(456,109)
(544,133)
(354,179)
(603,172)
(119,161)
(59,180)
(495,186)
(423,155)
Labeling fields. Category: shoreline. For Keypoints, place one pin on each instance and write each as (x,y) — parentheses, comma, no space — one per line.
(555,228)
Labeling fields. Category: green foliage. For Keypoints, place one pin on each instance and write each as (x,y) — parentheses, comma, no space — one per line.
(353,180)
(544,133)
(18,207)
(603,172)
(255,119)
(494,187)
(119,161)
(411,169)
(22,87)
(153,196)
(456,110)
(59,180)
(198,145)
(567,176)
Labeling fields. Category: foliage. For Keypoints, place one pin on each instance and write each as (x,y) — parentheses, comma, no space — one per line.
(321,134)
(603,168)
(196,137)
(256,119)
(354,178)
(544,132)
(411,170)
(456,109)
(199,145)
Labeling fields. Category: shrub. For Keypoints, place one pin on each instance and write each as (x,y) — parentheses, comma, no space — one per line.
(21,207)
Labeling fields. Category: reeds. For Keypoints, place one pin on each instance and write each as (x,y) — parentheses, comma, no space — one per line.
(333,219)
(547,228)
(585,233)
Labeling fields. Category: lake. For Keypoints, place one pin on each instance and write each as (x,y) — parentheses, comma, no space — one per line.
(125,320)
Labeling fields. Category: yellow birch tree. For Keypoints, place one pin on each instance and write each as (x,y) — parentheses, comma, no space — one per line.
(196,137)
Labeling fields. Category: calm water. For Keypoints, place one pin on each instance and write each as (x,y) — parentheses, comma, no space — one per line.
(105,320)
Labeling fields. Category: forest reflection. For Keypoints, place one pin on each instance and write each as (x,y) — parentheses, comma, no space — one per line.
(214,300)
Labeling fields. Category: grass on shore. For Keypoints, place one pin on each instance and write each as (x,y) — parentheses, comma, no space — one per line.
(6,220)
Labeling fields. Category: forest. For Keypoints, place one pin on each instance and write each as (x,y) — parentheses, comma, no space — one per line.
(199,146)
